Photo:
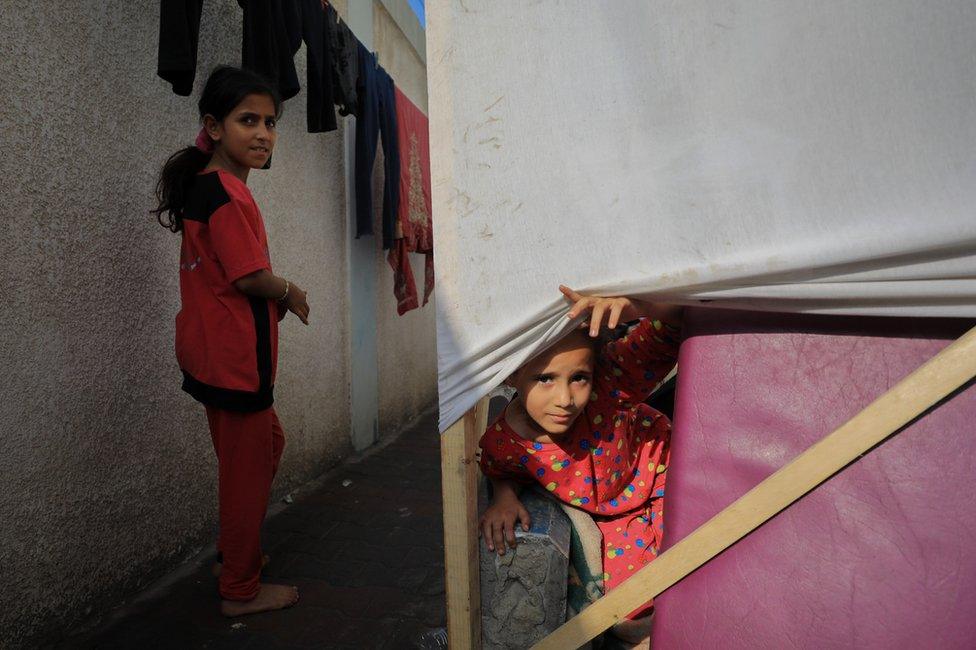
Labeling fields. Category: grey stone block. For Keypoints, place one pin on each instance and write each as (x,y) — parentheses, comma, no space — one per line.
(523,593)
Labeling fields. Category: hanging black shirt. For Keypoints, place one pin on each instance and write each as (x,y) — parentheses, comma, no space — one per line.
(377,119)
(318,51)
(272,35)
(345,63)
(179,32)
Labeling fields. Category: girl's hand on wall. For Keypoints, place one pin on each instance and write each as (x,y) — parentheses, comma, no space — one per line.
(617,309)
(497,524)
(297,303)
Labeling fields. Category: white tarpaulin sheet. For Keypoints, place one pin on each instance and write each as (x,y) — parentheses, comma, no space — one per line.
(779,155)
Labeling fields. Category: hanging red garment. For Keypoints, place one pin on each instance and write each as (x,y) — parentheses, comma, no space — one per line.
(414,233)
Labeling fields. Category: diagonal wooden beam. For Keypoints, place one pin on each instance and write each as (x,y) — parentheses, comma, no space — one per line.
(912,396)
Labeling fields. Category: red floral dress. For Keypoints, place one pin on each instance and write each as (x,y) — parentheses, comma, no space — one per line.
(613,462)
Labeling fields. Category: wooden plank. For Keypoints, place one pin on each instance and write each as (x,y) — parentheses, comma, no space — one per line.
(911,397)
(459,489)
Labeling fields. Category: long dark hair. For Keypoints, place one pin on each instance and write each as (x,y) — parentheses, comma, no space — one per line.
(225,88)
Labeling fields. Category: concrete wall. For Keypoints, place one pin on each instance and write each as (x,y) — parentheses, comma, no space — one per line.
(107,476)
(405,344)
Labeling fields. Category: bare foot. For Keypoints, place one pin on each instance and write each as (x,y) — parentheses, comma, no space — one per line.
(269,597)
(218,567)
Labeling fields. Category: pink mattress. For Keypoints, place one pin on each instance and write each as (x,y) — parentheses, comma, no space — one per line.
(882,555)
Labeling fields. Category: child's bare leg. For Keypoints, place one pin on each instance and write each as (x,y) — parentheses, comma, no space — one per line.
(270,597)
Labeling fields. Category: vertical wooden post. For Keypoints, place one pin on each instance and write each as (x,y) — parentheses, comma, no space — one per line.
(459,489)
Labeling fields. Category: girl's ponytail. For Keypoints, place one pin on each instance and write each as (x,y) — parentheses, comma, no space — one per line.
(226,87)
(174,183)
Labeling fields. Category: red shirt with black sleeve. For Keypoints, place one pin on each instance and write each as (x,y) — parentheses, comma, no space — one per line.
(226,341)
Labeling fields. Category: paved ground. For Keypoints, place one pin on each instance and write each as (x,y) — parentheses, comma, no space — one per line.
(366,555)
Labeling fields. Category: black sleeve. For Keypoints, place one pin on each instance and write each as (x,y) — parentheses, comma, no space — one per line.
(179,32)
(345,63)
(318,51)
(269,44)
(391,155)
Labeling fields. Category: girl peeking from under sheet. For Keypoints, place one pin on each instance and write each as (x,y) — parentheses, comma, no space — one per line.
(578,427)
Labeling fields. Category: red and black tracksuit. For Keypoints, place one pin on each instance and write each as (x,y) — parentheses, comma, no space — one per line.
(227,348)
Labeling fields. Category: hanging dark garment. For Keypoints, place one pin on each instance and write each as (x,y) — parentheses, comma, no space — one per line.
(179,32)
(318,51)
(272,36)
(345,63)
(377,117)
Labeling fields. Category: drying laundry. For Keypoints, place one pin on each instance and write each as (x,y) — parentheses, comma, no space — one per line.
(345,63)
(179,32)
(377,118)
(413,232)
(320,113)
(272,36)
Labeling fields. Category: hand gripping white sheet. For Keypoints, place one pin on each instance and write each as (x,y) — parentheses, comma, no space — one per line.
(791,156)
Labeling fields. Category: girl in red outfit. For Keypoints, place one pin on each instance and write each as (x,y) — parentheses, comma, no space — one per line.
(578,427)
(227,328)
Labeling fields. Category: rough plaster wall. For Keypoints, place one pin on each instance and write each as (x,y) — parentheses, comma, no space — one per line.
(398,56)
(405,345)
(107,473)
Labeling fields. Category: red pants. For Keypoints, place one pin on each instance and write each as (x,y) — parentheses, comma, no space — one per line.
(248,447)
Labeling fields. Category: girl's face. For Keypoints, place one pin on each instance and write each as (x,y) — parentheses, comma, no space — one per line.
(554,388)
(246,136)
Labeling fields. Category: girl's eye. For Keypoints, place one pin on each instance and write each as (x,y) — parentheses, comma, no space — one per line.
(271,123)
(581,378)
(249,120)
(544,379)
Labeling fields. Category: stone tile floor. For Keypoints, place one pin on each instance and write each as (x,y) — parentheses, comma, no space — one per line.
(367,556)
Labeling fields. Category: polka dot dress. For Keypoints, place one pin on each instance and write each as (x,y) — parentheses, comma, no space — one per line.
(613,461)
